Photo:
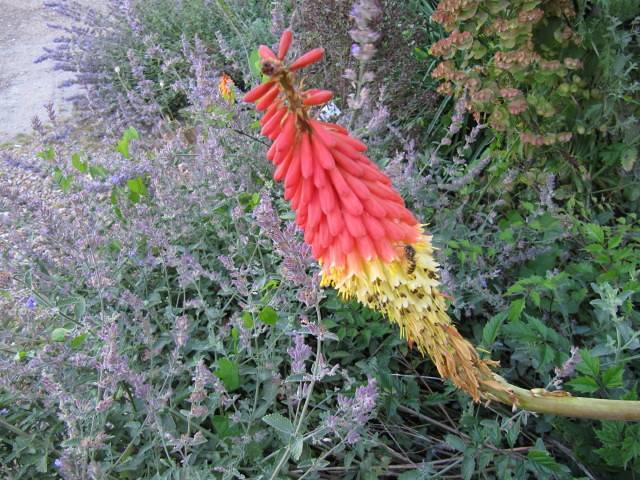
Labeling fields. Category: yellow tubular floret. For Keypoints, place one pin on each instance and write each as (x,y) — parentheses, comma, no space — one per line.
(406,292)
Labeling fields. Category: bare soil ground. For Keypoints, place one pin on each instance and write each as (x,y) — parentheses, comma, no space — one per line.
(25,87)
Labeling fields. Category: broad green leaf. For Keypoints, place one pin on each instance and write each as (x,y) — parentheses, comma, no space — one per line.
(59,334)
(123,144)
(47,154)
(247,320)
(78,164)
(455,442)
(254,64)
(223,426)
(491,329)
(136,185)
(515,309)
(631,445)
(468,467)
(76,342)
(544,460)
(584,384)
(296,448)
(268,315)
(535,298)
(629,158)
(80,308)
(228,372)
(594,232)
(612,376)
(589,364)
(280,423)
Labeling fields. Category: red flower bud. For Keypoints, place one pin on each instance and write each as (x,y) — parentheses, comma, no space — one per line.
(268,98)
(318,98)
(312,56)
(266,53)
(256,92)
(285,43)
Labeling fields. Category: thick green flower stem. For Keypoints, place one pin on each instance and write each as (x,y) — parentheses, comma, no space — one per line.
(579,407)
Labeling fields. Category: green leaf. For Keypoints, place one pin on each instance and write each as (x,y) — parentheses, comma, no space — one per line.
(280,423)
(136,185)
(543,459)
(254,64)
(47,154)
(468,467)
(123,144)
(455,442)
(42,462)
(247,320)
(589,365)
(594,232)
(628,158)
(228,372)
(296,448)
(268,315)
(491,329)
(96,171)
(610,433)
(512,430)
(76,342)
(224,428)
(584,384)
(515,309)
(612,377)
(80,308)
(631,445)
(79,164)
(59,334)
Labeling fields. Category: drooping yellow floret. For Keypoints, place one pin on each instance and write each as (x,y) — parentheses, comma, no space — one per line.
(406,292)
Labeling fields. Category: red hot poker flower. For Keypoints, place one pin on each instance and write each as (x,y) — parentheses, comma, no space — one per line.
(369,244)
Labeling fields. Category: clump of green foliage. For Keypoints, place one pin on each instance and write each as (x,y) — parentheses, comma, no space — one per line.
(542,240)
(518,62)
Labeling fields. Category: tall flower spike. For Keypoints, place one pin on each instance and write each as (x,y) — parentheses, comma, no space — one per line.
(369,245)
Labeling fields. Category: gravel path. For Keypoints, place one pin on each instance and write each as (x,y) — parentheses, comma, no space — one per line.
(25,87)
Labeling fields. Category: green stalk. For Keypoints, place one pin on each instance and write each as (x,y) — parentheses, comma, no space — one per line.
(541,401)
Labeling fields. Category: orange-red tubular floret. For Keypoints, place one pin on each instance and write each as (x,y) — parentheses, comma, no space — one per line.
(346,206)
(312,56)
(285,43)
(317,97)
(266,53)
(256,92)
(343,202)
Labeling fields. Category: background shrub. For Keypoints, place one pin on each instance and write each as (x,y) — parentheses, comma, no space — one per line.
(129,58)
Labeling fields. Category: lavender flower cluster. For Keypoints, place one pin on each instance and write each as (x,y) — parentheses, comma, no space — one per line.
(353,412)
(127,66)
(297,267)
(364,14)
